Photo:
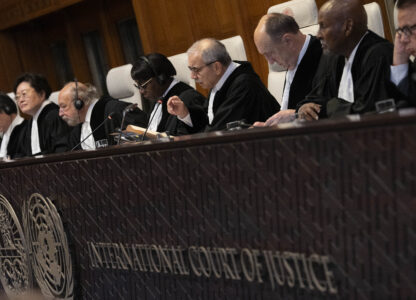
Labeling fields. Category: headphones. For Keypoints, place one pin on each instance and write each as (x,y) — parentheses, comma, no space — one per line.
(7,109)
(78,103)
(161,78)
(6,104)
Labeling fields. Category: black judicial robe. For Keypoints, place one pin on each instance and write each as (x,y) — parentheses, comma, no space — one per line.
(302,82)
(14,147)
(242,97)
(52,129)
(194,102)
(370,73)
(104,106)
(408,85)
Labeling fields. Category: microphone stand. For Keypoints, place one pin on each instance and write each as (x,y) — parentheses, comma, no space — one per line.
(151,118)
(102,123)
(121,127)
(125,111)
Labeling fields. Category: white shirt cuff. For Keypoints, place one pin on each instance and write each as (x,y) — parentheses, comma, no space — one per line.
(398,73)
(187,120)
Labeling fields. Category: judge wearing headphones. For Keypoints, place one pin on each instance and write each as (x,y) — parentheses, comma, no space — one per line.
(11,125)
(45,129)
(153,75)
(93,118)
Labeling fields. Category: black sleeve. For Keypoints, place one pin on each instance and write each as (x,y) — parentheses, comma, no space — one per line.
(72,139)
(194,101)
(407,86)
(16,146)
(325,82)
(246,99)
(136,117)
(55,131)
(373,83)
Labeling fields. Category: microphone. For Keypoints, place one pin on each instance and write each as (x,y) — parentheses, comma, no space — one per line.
(109,117)
(151,118)
(237,125)
(130,107)
(127,109)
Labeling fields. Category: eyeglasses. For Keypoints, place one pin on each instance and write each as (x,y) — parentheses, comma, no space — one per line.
(23,94)
(143,86)
(407,31)
(196,70)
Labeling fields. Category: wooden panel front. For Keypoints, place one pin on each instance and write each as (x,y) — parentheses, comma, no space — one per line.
(332,204)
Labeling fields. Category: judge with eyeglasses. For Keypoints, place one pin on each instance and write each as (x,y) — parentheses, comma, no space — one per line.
(45,131)
(403,71)
(236,92)
(154,77)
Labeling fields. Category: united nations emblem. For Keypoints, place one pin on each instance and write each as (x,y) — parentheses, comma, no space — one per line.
(51,261)
(15,273)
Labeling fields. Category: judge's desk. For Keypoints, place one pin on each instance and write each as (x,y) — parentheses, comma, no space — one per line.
(307,210)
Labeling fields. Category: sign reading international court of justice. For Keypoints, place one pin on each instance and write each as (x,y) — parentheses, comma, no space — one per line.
(294,270)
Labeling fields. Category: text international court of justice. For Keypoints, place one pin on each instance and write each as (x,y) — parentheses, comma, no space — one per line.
(207,149)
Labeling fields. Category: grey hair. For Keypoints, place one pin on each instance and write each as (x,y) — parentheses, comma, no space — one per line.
(211,50)
(402,4)
(86,92)
(277,25)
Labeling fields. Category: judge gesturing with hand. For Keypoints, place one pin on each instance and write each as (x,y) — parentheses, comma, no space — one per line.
(235,90)
(177,107)
(403,70)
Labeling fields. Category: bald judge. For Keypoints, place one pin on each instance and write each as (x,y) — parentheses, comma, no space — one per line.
(279,40)
(354,73)
(93,118)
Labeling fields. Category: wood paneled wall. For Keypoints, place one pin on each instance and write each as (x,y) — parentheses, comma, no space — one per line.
(166,26)
(26,47)
(192,20)
(14,12)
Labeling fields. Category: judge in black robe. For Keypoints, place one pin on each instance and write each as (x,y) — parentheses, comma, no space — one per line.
(14,148)
(236,91)
(154,77)
(408,85)
(278,38)
(31,91)
(101,124)
(12,126)
(370,73)
(298,53)
(242,97)
(365,80)
(51,130)
(302,82)
(192,99)
(403,71)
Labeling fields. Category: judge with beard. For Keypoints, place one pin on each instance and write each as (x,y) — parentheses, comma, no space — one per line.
(94,118)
